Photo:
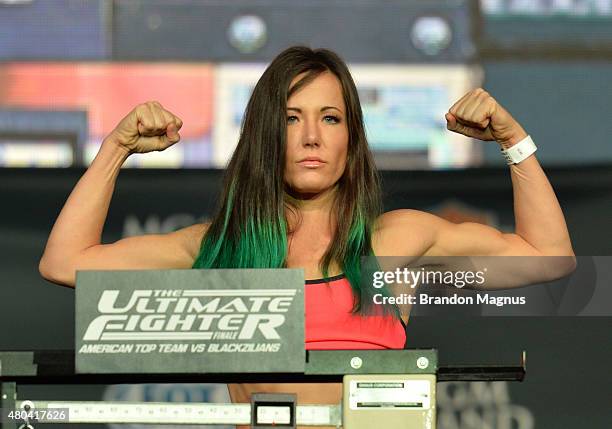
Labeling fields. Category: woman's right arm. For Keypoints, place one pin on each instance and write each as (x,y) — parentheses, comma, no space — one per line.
(75,240)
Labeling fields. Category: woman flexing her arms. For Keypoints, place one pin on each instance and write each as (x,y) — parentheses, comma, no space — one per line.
(301,191)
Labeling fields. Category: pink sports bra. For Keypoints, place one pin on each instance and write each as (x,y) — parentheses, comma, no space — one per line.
(330,324)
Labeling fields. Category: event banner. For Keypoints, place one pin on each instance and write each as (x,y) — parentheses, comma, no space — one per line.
(186,321)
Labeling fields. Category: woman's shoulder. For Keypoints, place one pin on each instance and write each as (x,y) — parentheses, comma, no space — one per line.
(404,232)
(406,218)
(190,237)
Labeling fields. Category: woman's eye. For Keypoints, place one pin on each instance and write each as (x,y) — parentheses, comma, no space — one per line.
(328,118)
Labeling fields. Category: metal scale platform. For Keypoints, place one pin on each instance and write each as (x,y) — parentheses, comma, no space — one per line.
(392,388)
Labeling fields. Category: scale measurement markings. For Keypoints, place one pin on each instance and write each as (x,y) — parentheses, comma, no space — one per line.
(181,413)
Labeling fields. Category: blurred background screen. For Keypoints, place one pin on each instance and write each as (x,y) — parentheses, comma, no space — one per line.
(201,60)
(411,61)
(546,26)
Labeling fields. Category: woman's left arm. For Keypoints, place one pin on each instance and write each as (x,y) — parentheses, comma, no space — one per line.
(540,229)
(539,221)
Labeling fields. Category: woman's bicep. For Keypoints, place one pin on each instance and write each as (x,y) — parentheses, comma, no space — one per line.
(153,251)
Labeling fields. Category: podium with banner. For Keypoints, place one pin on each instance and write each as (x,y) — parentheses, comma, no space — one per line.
(225,326)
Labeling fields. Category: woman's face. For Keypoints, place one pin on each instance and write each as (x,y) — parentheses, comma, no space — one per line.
(317,136)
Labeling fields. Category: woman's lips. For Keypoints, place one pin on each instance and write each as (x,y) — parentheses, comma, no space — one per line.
(311,163)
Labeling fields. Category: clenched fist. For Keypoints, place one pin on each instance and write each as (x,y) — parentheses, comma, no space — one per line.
(480,116)
(147,128)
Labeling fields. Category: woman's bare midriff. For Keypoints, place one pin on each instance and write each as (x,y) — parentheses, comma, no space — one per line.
(307,393)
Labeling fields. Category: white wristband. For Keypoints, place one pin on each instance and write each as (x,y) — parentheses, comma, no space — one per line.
(519,151)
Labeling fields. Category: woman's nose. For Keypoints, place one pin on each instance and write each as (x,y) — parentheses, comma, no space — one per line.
(312,135)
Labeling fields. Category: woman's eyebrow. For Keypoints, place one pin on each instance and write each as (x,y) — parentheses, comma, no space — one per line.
(330,107)
(297,109)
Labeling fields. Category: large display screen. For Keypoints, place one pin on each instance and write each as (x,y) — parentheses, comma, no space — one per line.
(109,91)
(548,8)
(403,108)
(35,151)
(561,27)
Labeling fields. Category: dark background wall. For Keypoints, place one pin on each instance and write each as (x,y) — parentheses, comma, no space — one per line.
(566,354)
